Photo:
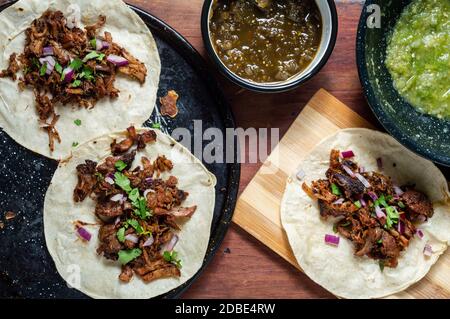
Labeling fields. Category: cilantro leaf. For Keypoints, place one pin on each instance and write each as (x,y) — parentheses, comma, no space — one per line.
(156,126)
(401,205)
(172,257)
(93,43)
(76,83)
(335,230)
(121,234)
(92,55)
(381,264)
(120,165)
(74,144)
(100,57)
(77,122)
(125,256)
(135,224)
(142,211)
(76,64)
(392,216)
(43,69)
(133,195)
(358,204)
(122,181)
(335,189)
(86,74)
(58,68)
(99,175)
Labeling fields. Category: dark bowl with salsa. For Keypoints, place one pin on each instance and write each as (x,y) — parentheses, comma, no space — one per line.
(269,45)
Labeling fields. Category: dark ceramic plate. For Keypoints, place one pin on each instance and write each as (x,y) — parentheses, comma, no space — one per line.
(426,135)
(26,268)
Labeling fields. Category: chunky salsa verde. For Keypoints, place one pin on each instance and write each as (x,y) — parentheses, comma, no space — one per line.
(266,40)
(418,56)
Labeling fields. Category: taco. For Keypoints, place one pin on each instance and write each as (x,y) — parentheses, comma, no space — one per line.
(130,213)
(72,70)
(365,217)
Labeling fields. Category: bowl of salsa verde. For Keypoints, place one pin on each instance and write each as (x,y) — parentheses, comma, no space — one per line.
(269,45)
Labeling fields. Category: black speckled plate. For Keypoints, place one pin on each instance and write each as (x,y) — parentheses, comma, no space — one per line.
(426,135)
(26,268)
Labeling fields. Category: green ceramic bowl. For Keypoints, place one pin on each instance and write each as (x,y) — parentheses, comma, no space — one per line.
(426,135)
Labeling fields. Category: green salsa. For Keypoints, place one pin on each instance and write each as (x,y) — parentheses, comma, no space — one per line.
(418,56)
(266,40)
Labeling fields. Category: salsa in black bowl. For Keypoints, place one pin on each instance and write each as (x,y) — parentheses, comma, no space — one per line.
(425,134)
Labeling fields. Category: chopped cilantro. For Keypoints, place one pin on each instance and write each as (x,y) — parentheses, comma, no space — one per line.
(392,217)
(358,204)
(76,64)
(401,205)
(26,70)
(389,198)
(335,230)
(142,210)
(380,241)
(122,181)
(133,195)
(75,144)
(58,68)
(43,69)
(35,62)
(77,122)
(100,57)
(120,165)
(135,224)
(93,43)
(86,74)
(125,256)
(121,234)
(172,257)
(335,189)
(94,55)
(99,175)
(76,83)
(156,126)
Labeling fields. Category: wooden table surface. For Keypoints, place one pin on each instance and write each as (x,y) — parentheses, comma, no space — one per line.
(250,270)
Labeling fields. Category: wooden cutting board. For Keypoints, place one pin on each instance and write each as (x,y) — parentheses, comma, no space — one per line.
(258,208)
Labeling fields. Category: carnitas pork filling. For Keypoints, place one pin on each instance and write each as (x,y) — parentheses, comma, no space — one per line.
(138,210)
(376,215)
(65,64)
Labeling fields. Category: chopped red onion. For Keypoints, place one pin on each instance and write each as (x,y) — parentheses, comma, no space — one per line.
(400,227)
(332,240)
(419,233)
(148,191)
(398,191)
(133,238)
(117,220)
(362,180)
(100,44)
(84,234)
(300,174)
(117,60)
(338,202)
(50,62)
(379,212)
(171,244)
(149,179)
(109,180)
(428,250)
(148,242)
(363,202)
(117,197)
(362,169)
(47,51)
(347,154)
(421,218)
(68,74)
(373,196)
(348,170)
(380,163)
